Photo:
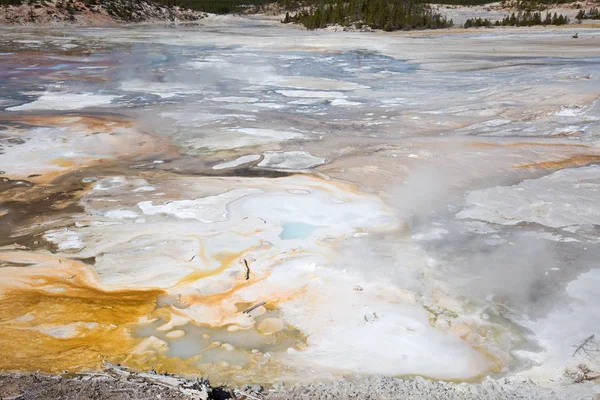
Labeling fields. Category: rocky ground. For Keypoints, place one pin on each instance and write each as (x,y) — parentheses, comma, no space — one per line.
(119,384)
(16,386)
(111,12)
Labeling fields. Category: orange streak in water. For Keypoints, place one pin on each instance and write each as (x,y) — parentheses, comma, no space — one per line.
(579,160)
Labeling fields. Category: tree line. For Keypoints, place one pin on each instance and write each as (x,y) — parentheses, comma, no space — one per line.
(593,13)
(389,15)
(520,19)
(529,18)
(533,5)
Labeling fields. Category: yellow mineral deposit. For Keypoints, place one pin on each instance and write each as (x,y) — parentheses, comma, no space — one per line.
(61,318)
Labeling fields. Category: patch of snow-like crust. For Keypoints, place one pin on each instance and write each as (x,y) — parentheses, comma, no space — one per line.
(563,329)
(237,162)
(268,133)
(343,102)
(235,99)
(312,94)
(297,160)
(66,101)
(65,239)
(374,332)
(165,90)
(564,198)
(208,209)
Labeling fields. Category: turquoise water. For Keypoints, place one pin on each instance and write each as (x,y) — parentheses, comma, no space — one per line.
(297,230)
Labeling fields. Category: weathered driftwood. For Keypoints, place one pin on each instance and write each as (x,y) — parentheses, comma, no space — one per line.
(246,395)
(247,269)
(198,390)
(254,307)
(116,369)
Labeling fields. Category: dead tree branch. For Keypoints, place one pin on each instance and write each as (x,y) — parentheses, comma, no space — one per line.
(247,269)
(587,347)
(254,307)
(582,345)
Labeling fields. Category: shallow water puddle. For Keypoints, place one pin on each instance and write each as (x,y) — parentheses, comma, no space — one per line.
(297,230)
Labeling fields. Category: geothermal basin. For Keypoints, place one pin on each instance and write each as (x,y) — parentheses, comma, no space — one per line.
(254,203)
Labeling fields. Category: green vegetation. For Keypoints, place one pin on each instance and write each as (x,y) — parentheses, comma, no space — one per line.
(478,23)
(533,5)
(389,15)
(593,13)
(524,5)
(532,18)
(520,19)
